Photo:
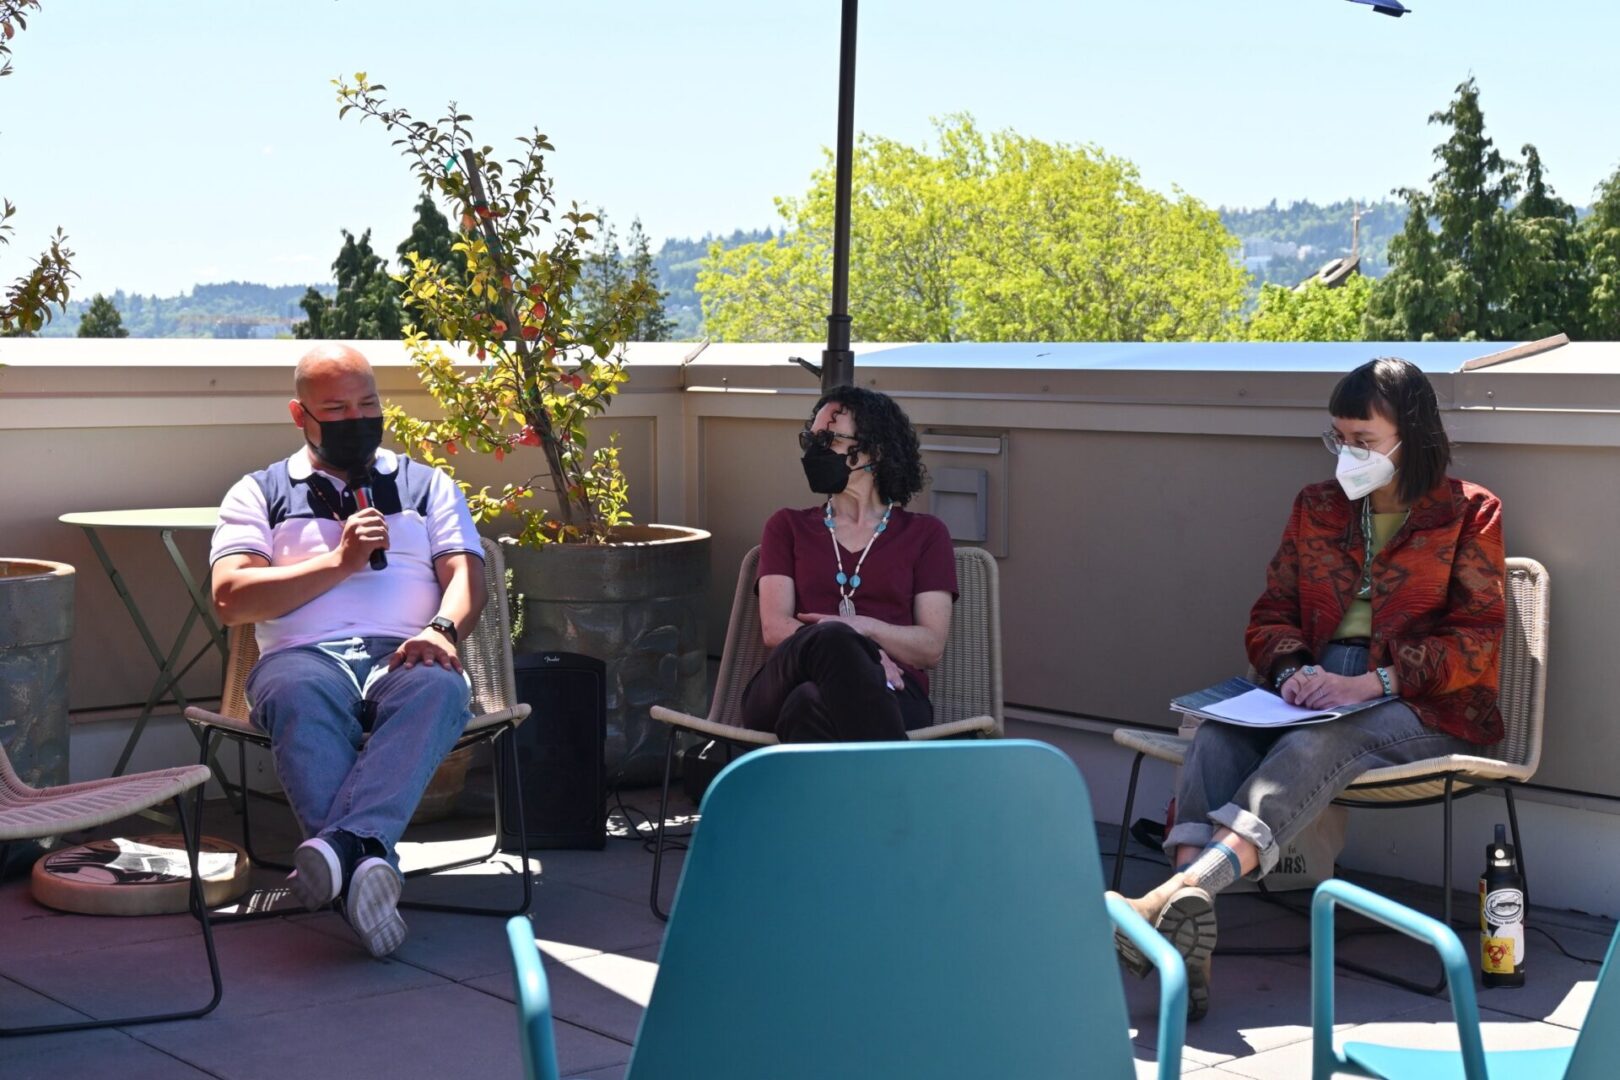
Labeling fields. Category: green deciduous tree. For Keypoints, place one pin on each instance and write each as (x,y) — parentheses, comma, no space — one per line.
(101,320)
(1600,234)
(998,238)
(28,300)
(366,304)
(1312,312)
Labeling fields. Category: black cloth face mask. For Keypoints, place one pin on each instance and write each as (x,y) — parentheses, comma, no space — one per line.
(826,470)
(348,444)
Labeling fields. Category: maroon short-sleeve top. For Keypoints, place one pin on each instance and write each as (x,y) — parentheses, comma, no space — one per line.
(913,555)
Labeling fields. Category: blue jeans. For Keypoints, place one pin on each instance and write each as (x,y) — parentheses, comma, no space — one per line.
(308,699)
(1268,784)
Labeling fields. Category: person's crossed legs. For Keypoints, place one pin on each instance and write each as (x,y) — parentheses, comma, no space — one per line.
(353,797)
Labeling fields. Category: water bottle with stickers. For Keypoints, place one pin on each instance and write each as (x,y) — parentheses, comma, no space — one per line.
(1501,915)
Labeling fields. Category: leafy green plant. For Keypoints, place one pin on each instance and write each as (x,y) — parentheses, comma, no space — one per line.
(27,304)
(542,362)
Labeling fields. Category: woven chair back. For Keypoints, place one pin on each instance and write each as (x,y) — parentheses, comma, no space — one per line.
(485,654)
(1522,690)
(965,684)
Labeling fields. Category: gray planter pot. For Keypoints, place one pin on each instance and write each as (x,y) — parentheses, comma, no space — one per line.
(36,632)
(638,605)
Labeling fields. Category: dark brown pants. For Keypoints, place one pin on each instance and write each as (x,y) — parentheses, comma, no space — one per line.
(826,684)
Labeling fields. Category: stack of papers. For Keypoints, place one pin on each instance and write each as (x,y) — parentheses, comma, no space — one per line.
(1241,702)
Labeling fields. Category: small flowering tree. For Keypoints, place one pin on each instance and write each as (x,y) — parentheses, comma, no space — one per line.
(542,364)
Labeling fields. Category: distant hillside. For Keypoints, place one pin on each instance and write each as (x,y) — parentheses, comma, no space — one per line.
(677,263)
(234,309)
(1287,244)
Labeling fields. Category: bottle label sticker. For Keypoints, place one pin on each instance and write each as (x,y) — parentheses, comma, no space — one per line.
(1497,955)
(1503,906)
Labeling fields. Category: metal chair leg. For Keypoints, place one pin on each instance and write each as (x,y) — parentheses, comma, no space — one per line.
(1518,845)
(503,755)
(1125,823)
(663,819)
(192,835)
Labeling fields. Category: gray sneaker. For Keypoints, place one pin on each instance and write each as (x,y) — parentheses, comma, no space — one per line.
(370,906)
(317,874)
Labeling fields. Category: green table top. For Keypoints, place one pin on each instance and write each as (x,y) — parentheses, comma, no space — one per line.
(183,517)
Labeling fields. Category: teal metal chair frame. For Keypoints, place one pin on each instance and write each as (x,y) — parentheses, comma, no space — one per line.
(1593,1055)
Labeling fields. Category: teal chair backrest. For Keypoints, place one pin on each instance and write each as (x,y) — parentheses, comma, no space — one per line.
(1597,1048)
(897,909)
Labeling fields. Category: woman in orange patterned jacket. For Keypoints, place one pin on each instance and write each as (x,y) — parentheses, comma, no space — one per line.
(1419,624)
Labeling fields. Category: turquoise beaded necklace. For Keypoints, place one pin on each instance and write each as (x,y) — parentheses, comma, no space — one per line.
(848,583)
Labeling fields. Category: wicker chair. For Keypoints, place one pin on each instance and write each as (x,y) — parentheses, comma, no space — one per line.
(965,687)
(28,813)
(487,657)
(1522,694)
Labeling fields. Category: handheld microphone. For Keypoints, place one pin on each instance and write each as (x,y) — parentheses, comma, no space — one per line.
(360,483)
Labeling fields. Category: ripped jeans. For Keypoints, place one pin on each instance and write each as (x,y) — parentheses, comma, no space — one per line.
(1267,784)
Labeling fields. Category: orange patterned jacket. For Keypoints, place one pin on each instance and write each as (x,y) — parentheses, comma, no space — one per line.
(1438,610)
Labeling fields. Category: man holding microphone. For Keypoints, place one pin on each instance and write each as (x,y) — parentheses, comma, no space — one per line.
(362,572)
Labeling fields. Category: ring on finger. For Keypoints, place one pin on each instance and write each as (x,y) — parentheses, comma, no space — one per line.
(1309,669)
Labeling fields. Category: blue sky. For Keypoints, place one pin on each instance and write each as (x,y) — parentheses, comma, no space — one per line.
(184,142)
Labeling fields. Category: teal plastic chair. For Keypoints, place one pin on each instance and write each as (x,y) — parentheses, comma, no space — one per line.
(533,1002)
(1593,1056)
(891,909)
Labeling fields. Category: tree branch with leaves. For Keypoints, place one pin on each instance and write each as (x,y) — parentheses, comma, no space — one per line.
(543,361)
(29,299)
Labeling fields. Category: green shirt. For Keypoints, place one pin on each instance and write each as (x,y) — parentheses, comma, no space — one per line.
(1357,621)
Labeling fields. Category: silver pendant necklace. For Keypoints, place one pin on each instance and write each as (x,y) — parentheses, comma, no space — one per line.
(848,583)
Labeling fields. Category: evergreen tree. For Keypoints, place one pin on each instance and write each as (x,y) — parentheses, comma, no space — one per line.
(366,305)
(1452,275)
(1413,302)
(1549,280)
(610,282)
(431,238)
(102,320)
(1601,235)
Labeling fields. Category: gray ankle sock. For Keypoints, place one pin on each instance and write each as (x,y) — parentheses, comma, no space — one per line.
(1215,868)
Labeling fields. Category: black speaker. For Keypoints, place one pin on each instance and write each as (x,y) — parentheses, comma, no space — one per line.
(559,753)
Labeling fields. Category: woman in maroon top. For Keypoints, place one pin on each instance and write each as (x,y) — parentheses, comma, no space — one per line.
(854,593)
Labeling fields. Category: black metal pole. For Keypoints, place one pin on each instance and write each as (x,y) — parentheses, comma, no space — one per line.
(837,362)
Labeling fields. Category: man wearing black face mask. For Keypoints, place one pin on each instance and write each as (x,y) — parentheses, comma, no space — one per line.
(348,646)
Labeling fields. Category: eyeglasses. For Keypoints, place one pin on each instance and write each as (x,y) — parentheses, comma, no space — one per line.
(823,438)
(1335,443)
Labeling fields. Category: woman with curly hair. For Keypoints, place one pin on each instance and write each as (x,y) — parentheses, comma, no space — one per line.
(854,593)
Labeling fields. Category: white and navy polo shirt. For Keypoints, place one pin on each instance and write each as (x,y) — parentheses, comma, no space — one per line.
(290,512)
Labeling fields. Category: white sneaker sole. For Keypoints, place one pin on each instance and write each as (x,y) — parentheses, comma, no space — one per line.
(316,875)
(372,907)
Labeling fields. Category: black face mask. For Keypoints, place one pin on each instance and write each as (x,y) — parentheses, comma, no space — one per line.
(348,444)
(826,470)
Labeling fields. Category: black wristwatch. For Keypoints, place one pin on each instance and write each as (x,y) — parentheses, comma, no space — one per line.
(445,627)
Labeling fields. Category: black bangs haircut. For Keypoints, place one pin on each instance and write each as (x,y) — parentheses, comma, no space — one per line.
(1396,390)
(883,430)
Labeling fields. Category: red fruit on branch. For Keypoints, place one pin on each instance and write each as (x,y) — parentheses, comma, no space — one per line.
(528,437)
(450,446)
(538,312)
(573,380)
(499,329)
(500,454)
(481,354)
(537,290)
(530,333)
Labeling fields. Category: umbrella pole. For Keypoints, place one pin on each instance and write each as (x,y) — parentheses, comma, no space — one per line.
(837,361)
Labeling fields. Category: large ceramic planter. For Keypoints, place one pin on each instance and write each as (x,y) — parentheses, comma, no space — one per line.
(636,604)
(36,631)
